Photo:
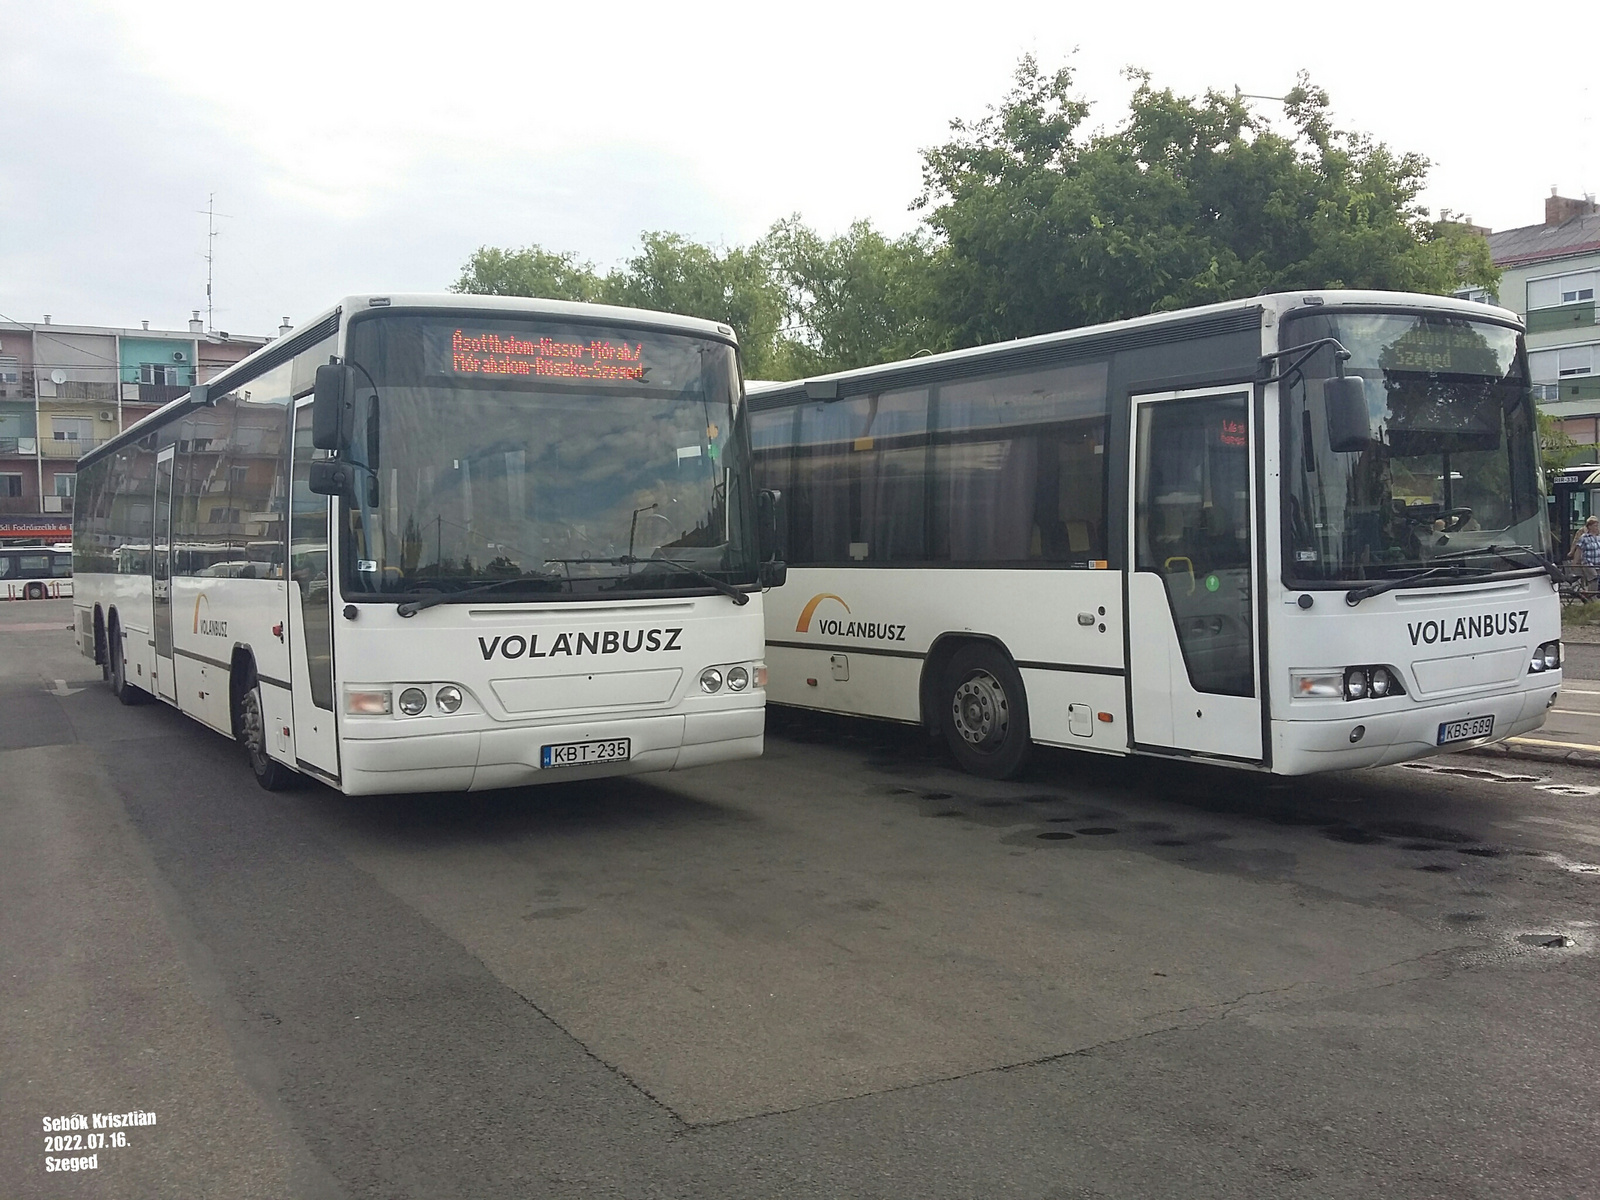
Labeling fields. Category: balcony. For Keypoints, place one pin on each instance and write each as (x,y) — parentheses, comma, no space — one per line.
(68,448)
(18,447)
(160,393)
(12,505)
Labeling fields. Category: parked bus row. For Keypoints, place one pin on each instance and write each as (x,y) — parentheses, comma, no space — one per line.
(438,543)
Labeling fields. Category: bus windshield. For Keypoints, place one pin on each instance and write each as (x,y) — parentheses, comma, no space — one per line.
(544,456)
(1448,469)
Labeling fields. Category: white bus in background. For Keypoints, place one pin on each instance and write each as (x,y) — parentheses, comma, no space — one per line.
(443,542)
(35,572)
(1297,533)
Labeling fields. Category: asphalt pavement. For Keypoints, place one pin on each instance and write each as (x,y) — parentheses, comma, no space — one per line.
(843,970)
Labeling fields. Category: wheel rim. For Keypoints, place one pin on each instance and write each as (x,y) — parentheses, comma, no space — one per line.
(255,734)
(981,711)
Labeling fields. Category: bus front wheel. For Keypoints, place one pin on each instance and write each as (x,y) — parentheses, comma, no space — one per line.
(984,713)
(36,591)
(270,773)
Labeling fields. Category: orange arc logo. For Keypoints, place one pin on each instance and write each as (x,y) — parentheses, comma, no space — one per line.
(804,624)
(197,600)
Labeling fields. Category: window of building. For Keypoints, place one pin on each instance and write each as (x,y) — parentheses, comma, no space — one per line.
(72,429)
(1548,366)
(1562,289)
(10,368)
(158,373)
(10,485)
(66,485)
(1477,295)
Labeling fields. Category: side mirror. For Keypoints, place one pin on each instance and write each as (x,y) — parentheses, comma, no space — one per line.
(774,573)
(330,408)
(772,529)
(332,477)
(1349,425)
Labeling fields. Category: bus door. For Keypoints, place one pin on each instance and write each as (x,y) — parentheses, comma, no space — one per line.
(161,579)
(1192,645)
(316,739)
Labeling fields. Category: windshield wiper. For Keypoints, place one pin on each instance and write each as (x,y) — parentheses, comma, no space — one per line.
(412,607)
(628,560)
(1503,553)
(1356,595)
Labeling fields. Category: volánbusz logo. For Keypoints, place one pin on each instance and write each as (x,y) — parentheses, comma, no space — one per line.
(1482,626)
(831,626)
(207,625)
(601,641)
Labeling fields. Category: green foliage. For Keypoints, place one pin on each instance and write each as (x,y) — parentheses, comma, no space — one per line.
(1190,201)
(1557,450)
(532,271)
(1035,223)
(855,299)
(735,286)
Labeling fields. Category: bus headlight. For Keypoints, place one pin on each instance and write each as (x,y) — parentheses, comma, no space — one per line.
(1382,682)
(449,698)
(1355,684)
(413,700)
(710,680)
(738,678)
(368,703)
(1547,657)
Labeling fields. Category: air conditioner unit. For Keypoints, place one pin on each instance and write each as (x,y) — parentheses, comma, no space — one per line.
(52,504)
(177,356)
(107,415)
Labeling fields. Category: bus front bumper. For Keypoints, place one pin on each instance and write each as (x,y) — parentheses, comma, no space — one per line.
(478,760)
(1331,743)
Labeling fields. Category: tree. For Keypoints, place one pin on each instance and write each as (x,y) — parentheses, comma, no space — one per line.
(1191,200)
(672,274)
(855,299)
(531,271)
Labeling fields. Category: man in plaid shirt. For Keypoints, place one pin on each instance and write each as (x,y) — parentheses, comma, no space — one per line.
(1586,552)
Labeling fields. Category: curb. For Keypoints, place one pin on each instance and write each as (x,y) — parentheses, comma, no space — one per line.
(1544,754)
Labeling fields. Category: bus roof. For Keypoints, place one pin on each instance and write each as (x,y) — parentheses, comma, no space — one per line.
(326,323)
(1224,317)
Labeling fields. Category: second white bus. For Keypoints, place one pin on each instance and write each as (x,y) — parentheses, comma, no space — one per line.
(1296,533)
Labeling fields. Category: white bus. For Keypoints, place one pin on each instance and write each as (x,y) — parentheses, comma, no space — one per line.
(440,543)
(1297,533)
(34,573)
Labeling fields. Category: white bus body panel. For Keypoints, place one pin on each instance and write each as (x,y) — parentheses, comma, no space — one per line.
(1435,641)
(1062,627)
(537,675)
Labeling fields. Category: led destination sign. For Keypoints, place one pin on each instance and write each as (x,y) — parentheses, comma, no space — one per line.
(478,353)
(531,353)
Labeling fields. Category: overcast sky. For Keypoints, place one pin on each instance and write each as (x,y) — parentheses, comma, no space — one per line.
(359,147)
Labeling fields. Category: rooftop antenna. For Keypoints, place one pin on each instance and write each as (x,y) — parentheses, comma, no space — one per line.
(211,236)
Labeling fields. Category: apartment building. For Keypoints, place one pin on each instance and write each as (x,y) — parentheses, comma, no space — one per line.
(1549,275)
(64,389)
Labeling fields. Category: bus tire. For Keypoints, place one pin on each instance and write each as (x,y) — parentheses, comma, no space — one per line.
(984,713)
(252,724)
(124,691)
(35,591)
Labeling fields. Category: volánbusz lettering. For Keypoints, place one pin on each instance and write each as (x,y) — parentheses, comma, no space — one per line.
(879,630)
(1481,625)
(594,642)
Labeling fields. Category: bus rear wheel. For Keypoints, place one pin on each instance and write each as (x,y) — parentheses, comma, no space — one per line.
(35,591)
(124,691)
(269,772)
(984,713)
